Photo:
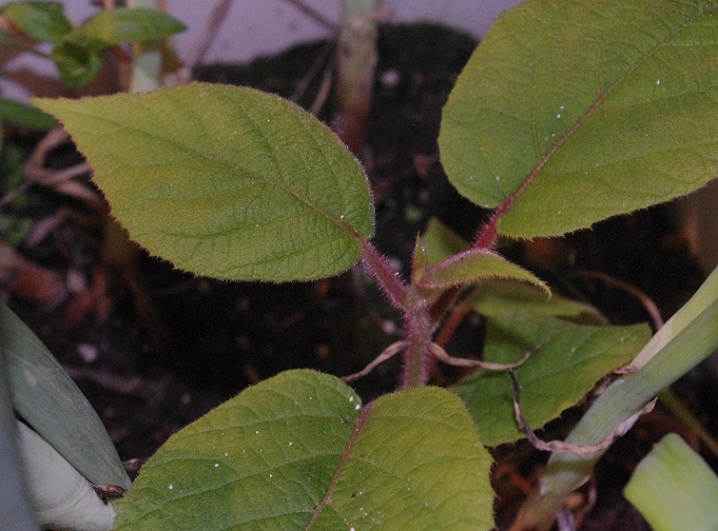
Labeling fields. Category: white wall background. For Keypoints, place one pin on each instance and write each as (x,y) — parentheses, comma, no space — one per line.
(252,28)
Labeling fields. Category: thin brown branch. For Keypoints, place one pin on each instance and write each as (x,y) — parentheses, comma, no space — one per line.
(312,13)
(443,356)
(455,318)
(198,49)
(388,353)
(60,180)
(646,301)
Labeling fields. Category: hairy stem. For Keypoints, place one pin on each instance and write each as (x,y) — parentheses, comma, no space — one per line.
(417,356)
(415,311)
(389,281)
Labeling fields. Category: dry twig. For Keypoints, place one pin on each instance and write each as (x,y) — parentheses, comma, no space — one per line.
(563,447)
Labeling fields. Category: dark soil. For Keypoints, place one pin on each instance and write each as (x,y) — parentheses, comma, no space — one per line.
(221,337)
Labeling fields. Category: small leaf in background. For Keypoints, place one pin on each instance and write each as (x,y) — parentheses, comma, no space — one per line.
(440,242)
(122,25)
(501,297)
(50,402)
(223,181)
(674,488)
(297,451)
(497,296)
(474,265)
(555,378)
(44,21)
(598,111)
(15,113)
(77,65)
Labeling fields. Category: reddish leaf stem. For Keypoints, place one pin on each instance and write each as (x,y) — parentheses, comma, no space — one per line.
(389,281)
(416,316)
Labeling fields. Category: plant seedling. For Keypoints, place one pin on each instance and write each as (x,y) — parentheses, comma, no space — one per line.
(611,113)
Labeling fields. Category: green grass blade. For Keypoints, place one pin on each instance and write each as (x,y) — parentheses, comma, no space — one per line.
(51,403)
(674,488)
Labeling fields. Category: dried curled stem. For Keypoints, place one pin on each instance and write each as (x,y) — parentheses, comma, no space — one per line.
(563,447)
(388,353)
(443,356)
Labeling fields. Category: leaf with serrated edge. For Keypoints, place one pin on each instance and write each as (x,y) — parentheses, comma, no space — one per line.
(596,111)
(298,451)
(498,296)
(223,181)
(474,265)
(570,362)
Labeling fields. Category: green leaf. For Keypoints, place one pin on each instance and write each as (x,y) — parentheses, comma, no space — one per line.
(50,402)
(61,497)
(570,362)
(474,265)
(595,111)
(298,451)
(500,297)
(674,488)
(684,341)
(225,181)
(440,242)
(121,25)
(15,113)
(77,65)
(44,21)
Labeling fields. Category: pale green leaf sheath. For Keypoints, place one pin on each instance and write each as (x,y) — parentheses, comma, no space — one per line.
(299,451)
(227,182)
(674,488)
(583,110)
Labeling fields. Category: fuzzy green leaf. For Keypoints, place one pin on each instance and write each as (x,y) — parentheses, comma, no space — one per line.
(595,110)
(121,25)
(498,296)
(474,265)
(674,488)
(570,362)
(49,401)
(44,21)
(299,452)
(227,182)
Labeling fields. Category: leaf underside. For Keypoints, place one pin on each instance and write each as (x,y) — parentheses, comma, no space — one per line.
(299,452)
(49,401)
(595,109)
(223,181)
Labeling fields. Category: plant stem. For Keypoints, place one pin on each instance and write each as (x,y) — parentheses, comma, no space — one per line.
(416,315)
(356,59)
(389,281)
(417,357)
